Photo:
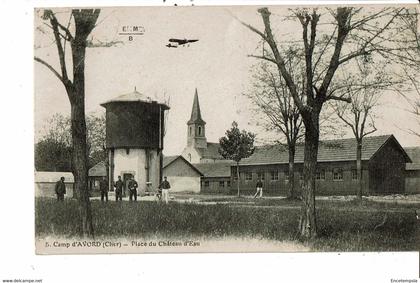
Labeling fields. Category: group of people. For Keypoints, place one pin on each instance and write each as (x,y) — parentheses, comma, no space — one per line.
(163,190)
(119,185)
(132,185)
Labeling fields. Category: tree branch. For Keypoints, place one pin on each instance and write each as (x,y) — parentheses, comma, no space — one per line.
(51,68)
(362,50)
(65,29)
(341,116)
(61,55)
(263,58)
(343,29)
(339,98)
(269,37)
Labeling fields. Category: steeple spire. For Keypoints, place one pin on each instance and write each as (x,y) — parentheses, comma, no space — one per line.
(196,112)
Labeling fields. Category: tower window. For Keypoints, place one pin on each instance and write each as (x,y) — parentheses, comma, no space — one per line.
(199,131)
(190,131)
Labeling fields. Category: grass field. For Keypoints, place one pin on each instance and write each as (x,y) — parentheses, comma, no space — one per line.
(343,226)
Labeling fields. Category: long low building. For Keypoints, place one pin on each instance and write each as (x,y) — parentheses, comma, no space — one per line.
(184,176)
(181,174)
(45,183)
(96,173)
(216,177)
(383,167)
(412,171)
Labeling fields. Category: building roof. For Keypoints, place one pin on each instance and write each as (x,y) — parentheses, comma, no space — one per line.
(99,170)
(196,112)
(168,160)
(216,169)
(211,152)
(414,154)
(134,96)
(328,150)
(52,177)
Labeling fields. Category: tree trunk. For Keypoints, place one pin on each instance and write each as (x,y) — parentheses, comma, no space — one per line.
(78,128)
(237,176)
(307,223)
(292,150)
(359,169)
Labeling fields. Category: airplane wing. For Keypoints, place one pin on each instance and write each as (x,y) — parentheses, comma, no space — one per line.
(179,41)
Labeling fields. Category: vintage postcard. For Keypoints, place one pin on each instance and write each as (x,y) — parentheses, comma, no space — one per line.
(227,129)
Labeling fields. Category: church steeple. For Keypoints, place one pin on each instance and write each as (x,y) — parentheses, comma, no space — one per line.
(196,112)
(196,126)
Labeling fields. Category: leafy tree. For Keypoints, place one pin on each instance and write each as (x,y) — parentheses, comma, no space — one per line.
(236,145)
(58,129)
(52,155)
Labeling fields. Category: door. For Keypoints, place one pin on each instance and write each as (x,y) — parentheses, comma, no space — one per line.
(126,177)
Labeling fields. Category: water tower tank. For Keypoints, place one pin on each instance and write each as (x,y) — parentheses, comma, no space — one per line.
(134,138)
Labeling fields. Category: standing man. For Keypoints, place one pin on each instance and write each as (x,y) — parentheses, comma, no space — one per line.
(132,188)
(118,189)
(103,186)
(165,186)
(60,189)
(259,188)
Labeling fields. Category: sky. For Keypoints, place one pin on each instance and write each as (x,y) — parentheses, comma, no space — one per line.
(217,65)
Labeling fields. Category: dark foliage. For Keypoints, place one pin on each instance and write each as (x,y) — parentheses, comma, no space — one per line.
(52,155)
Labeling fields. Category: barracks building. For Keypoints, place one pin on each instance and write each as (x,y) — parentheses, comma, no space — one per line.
(384,164)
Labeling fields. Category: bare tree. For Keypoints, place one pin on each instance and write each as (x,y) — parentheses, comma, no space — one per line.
(347,33)
(364,88)
(84,22)
(413,101)
(411,89)
(272,98)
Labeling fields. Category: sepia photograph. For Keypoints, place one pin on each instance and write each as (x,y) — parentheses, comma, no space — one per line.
(226,129)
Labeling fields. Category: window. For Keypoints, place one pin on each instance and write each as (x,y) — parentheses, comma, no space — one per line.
(261,176)
(248,176)
(221,184)
(199,130)
(206,184)
(235,176)
(189,157)
(354,174)
(338,174)
(274,175)
(228,184)
(286,176)
(320,175)
(190,130)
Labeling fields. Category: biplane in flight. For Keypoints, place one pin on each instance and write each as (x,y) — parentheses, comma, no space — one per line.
(175,42)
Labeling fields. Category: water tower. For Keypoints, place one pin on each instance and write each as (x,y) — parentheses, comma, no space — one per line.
(134,139)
